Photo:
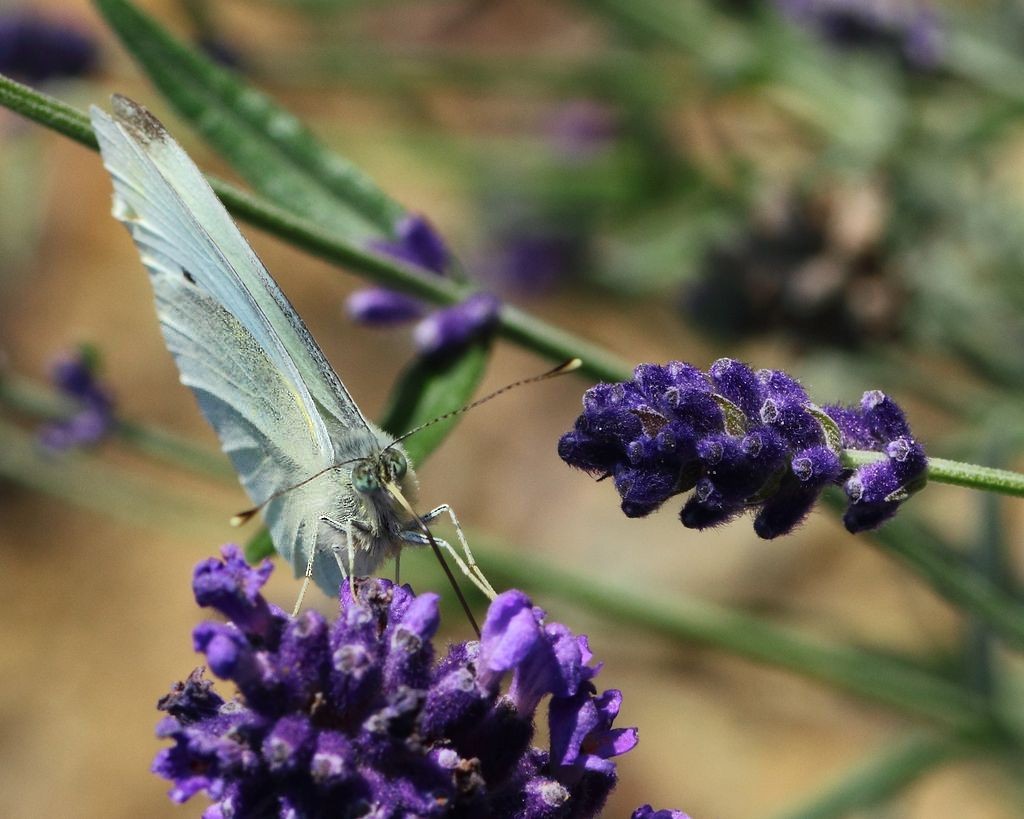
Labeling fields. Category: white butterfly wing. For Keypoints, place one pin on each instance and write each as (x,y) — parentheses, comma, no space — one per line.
(259,378)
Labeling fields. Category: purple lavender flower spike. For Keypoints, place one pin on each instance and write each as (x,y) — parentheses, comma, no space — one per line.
(453,327)
(665,432)
(74,375)
(34,49)
(357,713)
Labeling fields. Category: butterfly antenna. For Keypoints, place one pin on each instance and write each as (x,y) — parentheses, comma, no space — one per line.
(246,515)
(396,493)
(561,369)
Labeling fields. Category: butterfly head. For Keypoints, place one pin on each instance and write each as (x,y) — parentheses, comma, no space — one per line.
(371,475)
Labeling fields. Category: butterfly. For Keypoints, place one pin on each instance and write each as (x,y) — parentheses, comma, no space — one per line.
(326,479)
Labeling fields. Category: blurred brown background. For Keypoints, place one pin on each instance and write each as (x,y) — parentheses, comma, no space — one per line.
(97,607)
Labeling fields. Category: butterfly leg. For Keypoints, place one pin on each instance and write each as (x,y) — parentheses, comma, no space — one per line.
(483,583)
(305,582)
(420,539)
(346,571)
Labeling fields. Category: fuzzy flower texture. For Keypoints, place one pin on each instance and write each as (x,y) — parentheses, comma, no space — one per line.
(437,333)
(741,440)
(357,717)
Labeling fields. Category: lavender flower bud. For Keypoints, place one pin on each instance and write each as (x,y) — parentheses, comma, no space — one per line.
(74,375)
(742,441)
(416,243)
(453,327)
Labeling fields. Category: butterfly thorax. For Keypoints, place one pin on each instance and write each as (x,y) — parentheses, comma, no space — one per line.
(378,466)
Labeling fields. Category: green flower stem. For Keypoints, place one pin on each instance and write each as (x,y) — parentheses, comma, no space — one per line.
(526,330)
(880,778)
(25,396)
(85,481)
(881,679)
(957,473)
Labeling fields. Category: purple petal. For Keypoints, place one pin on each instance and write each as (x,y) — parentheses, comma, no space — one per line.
(510,633)
(453,327)
(380,306)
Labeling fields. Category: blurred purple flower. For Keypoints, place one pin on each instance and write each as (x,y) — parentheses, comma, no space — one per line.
(74,376)
(912,27)
(581,129)
(531,260)
(440,332)
(34,49)
(793,270)
(359,713)
(741,441)
(221,51)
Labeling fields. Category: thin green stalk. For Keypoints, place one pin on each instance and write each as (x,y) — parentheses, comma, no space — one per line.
(957,473)
(26,396)
(880,778)
(84,480)
(528,331)
(679,618)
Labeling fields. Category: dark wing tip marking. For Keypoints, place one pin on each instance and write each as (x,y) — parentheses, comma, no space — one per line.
(188,276)
(143,125)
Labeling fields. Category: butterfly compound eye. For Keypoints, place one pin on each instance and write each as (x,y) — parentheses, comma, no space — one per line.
(363,479)
(396,464)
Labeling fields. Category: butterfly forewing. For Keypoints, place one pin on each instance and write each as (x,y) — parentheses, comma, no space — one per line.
(280,411)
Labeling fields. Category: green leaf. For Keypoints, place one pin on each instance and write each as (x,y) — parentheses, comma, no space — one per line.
(829,428)
(429,389)
(265,143)
(260,546)
(735,419)
(426,390)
